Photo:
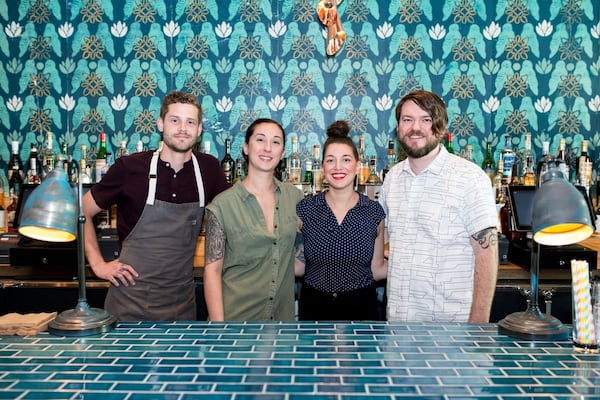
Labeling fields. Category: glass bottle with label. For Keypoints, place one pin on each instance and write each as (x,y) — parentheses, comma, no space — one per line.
(563,161)
(508,158)
(122,150)
(139,146)
(101,156)
(3,226)
(317,172)
(365,170)
(488,164)
(295,167)
(15,163)
(391,159)
(49,155)
(373,178)
(528,166)
(86,171)
(227,163)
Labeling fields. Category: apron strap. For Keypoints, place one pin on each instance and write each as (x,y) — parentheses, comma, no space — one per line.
(152,177)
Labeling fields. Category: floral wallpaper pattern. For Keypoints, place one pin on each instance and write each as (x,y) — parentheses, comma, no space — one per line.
(507,67)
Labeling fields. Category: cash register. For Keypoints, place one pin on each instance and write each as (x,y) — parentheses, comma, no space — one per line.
(521,242)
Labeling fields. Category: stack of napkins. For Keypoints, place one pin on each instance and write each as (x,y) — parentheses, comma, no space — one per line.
(25,324)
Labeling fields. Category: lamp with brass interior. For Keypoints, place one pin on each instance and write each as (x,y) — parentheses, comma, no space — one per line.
(53,213)
(560,216)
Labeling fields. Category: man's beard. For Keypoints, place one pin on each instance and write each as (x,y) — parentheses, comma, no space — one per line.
(431,143)
(176,146)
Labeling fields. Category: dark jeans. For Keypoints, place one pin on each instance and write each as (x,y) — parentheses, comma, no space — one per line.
(360,304)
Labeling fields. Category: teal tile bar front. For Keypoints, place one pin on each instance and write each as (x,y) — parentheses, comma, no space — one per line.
(294,360)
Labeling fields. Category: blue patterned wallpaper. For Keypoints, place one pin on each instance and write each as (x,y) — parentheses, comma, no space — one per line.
(79,67)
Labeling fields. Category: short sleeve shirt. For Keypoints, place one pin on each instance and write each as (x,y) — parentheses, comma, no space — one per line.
(258,266)
(338,256)
(430,219)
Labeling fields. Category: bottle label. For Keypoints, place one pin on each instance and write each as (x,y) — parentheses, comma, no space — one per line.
(508,160)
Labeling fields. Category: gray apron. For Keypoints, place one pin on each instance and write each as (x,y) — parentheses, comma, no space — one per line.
(161,248)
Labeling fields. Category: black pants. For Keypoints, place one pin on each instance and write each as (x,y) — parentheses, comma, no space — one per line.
(359,304)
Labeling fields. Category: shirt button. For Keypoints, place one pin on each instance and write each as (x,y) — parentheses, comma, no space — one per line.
(174,175)
(275,227)
(174,195)
(168,164)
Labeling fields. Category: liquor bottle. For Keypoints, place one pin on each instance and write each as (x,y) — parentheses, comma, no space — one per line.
(240,170)
(546,161)
(563,161)
(101,156)
(122,150)
(3,226)
(373,178)
(449,145)
(488,164)
(15,163)
(139,146)
(528,166)
(11,210)
(295,167)
(15,182)
(86,171)
(508,158)
(49,156)
(227,163)
(468,154)
(317,172)
(584,167)
(391,159)
(499,184)
(365,170)
(308,175)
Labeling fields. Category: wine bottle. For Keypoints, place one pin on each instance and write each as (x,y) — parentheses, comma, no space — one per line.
(227,163)
(101,156)
(15,163)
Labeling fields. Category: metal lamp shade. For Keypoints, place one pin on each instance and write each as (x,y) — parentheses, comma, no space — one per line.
(560,214)
(51,210)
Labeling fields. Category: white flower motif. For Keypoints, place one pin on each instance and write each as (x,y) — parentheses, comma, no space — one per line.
(491,105)
(66,30)
(224,104)
(118,29)
(595,31)
(171,29)
(543,105)
(385,31)
(277,29)
(66,102)
(492,31)
(119,102)
(13,30)
(277,103)
(437,32)
(224,29)
(330,102)
(544,28)
(594,104)
(14,103)
(384,103)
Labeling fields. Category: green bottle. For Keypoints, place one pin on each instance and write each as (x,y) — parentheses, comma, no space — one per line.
(488,163)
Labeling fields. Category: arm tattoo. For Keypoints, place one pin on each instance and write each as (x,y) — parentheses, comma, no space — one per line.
(299,247)
(215,239)
(486,238)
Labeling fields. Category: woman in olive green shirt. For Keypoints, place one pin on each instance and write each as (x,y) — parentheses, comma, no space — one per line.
(250,235)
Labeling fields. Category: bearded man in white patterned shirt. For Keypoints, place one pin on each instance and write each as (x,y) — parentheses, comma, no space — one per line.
(441,223)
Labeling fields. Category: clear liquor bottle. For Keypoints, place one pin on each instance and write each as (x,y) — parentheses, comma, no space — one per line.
(563,161)
(317,172)
(122,150)
(86,171)
(528,163)
(15,163)
(391,159)
(373,178)
(295,168)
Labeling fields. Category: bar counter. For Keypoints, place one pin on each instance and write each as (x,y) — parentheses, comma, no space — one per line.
(294,361)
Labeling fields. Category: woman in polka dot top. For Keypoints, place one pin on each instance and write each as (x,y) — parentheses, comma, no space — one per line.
(342,254)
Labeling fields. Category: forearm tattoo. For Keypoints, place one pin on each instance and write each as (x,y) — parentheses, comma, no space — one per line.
(299,247)
(486,238)
(215,239)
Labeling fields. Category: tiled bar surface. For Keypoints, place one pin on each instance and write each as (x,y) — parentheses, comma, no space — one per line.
(203,360)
